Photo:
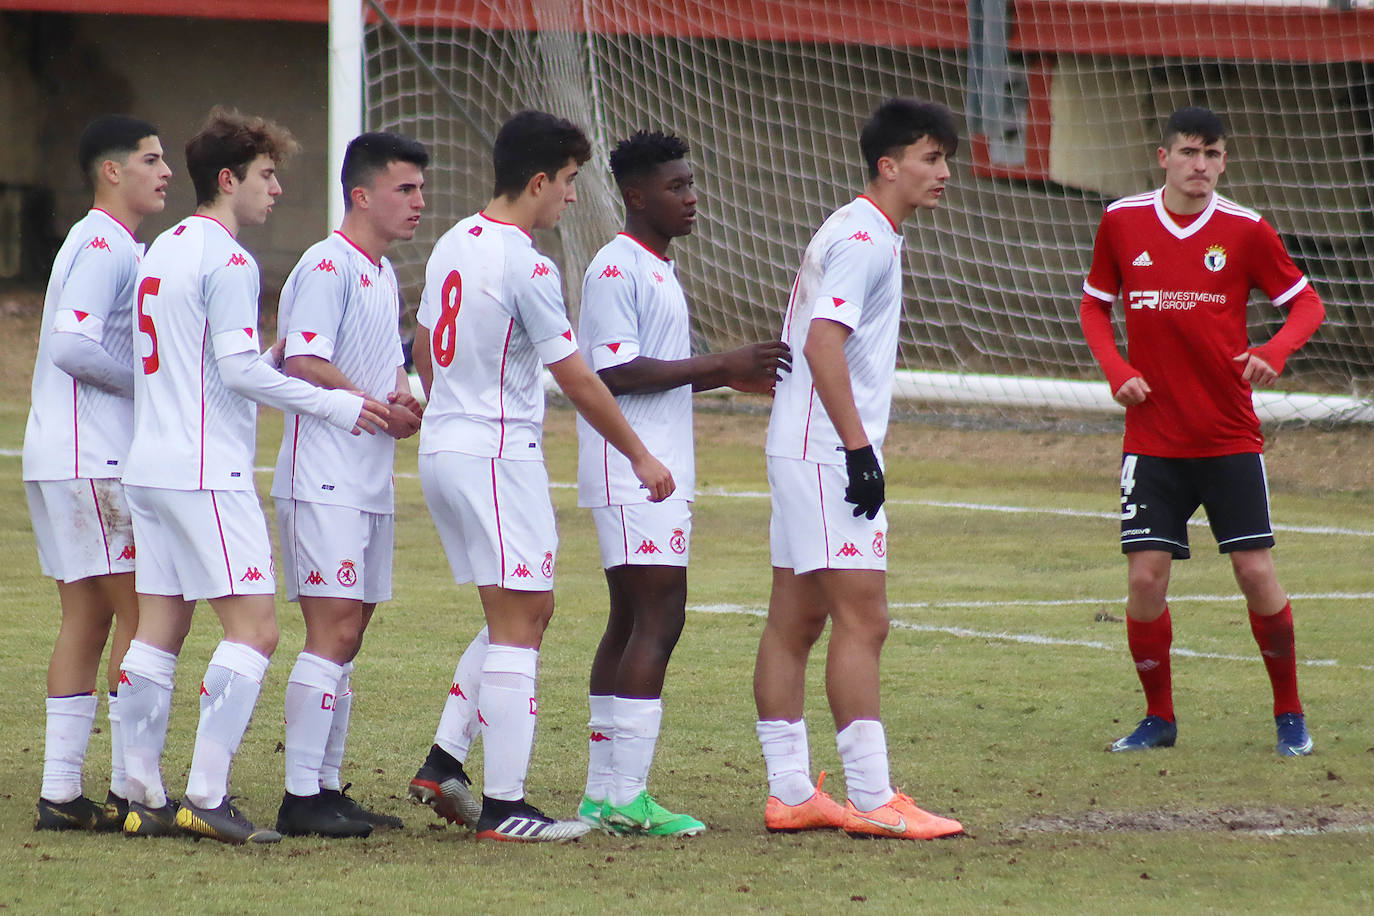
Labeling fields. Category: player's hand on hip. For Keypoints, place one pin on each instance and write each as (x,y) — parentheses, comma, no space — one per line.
(655,477)
(372,417)
(1133,391)
(1255,370)
(866,489)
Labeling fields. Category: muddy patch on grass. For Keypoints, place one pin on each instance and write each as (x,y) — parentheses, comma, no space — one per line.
(1274,821)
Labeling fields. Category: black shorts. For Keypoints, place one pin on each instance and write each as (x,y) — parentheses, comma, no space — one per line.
(1159,495)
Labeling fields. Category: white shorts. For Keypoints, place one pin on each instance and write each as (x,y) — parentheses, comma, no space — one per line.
(82,527)
(644,534)
(494,519)
(200,543)
(812,527)
(335,551)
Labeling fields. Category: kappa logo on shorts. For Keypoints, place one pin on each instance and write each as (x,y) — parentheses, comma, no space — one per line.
(237,260)
(252,575)
(547,566)
(314,578)
(540,270)
(203,691)
(127,553)
(346,575)
(678,542)
(879,547)
(99,244)
(124,677)
(456,691)
(522,571)
(647,546)
(849,550)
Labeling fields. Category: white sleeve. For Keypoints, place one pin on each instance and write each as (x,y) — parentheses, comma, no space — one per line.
(86,361)
(244,373)
(610,320)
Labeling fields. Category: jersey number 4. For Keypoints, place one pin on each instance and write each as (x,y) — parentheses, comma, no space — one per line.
(148,287)
(445,341)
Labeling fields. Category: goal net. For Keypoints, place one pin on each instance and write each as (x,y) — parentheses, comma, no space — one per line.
(1062,102)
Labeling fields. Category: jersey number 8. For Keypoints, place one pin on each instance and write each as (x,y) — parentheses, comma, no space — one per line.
(446,328)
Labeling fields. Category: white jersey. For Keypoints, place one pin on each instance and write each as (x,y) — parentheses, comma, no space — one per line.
(851,274)
(632,306)
(494,308)
(340,306)
(76,430)
(197,301)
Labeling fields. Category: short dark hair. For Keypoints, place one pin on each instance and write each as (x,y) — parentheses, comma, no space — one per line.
(1193,121)
(108,136)
(899,123)
(232,141)
(371,153)
(642,152)
(532,142)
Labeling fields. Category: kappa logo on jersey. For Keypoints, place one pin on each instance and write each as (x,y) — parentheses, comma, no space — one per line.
(314,578)
(127,553)
(861,236)
(849,550)
(475,231)
(252,575)
(522,572)
(99,244)
(1214,259)
(366,281)
(346,575)
(540,270)
(611,271)
(1143,260)
(678,542)
(547,566)
(879,546)
(326,265)
(658,276)
(647,546)
(456,691)
(237,260)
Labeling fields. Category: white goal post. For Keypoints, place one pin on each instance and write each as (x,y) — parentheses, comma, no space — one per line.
(1063,101)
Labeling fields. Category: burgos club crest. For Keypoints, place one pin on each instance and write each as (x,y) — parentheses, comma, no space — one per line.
(1215,258)
(346,575)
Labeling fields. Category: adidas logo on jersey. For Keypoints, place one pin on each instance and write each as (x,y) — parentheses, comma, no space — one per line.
(1143,260)
(849,550)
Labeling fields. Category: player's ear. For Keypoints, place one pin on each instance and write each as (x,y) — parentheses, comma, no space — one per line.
(226,179)
(358,196)
(109,170)
(537,182)
(887,168)
(634,197)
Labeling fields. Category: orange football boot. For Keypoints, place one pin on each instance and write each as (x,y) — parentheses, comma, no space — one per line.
(819,812)
(898,818)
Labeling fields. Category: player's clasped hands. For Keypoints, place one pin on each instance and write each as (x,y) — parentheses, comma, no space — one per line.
(372,417)
(757,368)
(403,417)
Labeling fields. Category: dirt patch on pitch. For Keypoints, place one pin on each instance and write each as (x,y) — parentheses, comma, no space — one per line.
(1273,821)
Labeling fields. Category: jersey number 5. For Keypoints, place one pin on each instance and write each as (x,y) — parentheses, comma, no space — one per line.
(148,287)
(445,341)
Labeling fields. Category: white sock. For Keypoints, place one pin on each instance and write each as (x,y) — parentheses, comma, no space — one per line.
(508,713)
(637,723)
(788,758)
(863,749)
(458,725)
(311,694)
(600,746)
(228,694)
(117,779)
(145,703)
(64,747)
(338,732)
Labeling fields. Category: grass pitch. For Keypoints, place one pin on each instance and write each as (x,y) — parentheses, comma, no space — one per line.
(1005,677)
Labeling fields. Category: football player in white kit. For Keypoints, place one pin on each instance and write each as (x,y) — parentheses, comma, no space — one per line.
(75,444)
(491,317)
(339,316)
(824,449)
(635,332)
(189,477)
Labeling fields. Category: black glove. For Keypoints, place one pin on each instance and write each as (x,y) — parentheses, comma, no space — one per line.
(866,490)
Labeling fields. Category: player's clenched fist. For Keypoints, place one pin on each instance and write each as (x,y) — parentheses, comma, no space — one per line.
(866,489)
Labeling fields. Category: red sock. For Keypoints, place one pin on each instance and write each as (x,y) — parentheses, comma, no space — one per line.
(1275,637)
(1150,644)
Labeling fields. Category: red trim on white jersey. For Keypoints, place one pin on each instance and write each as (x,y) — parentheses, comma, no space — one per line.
(203,338)
(224,545)
(501,387)
(340,234)
(825,529)
(810,407)
(646,247)
(76,434)
(606,468)
(215,221)
(104,536)
(118,222)
(501,222)
(496,504)
(624,535)
(894,226)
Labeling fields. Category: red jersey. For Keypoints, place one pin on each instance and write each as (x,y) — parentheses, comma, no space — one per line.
(1184,289)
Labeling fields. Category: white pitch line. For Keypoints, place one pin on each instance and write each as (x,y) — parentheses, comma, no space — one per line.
(1034,639)
(1121,600)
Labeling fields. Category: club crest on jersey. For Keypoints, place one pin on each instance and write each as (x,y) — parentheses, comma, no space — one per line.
(347,575)
(678,542)
(1214,259)
(547,566)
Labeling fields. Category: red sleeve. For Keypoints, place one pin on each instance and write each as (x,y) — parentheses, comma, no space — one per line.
(1305,313)
(1096,318)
